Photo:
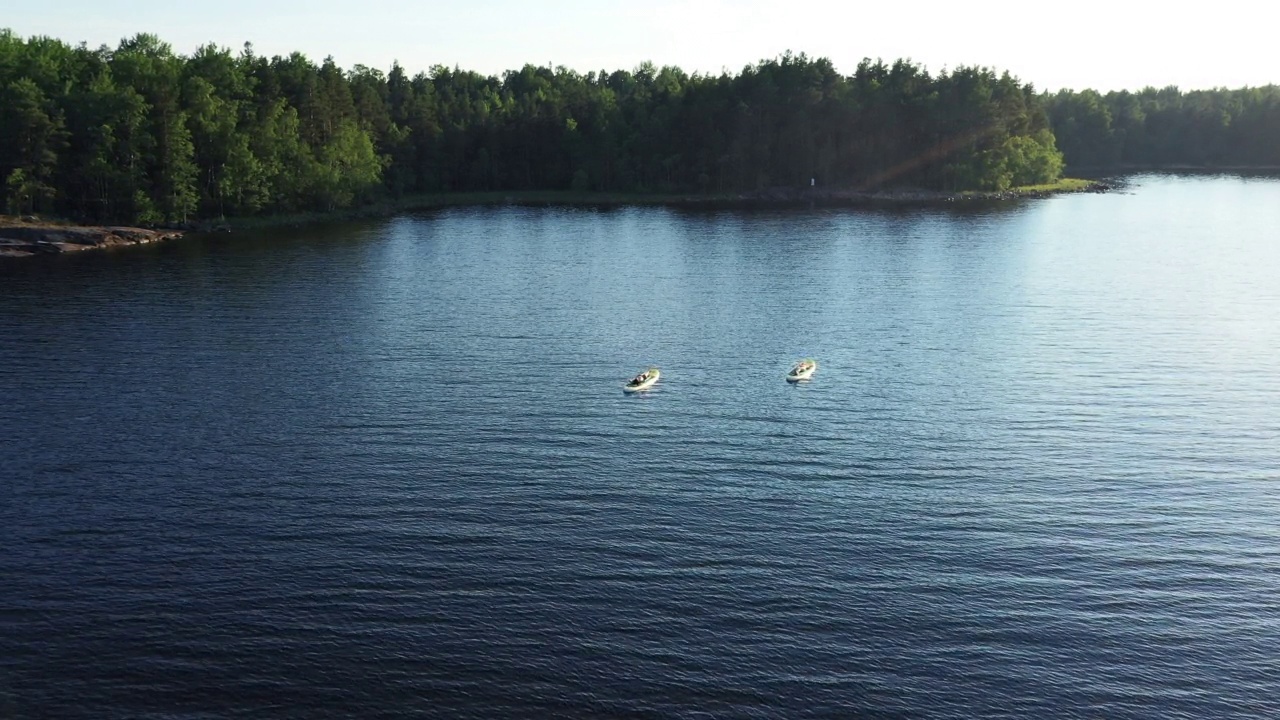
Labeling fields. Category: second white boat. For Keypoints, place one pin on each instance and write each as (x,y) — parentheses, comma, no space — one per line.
(802,370)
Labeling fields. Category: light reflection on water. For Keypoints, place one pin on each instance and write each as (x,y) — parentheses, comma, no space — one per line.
(387,467)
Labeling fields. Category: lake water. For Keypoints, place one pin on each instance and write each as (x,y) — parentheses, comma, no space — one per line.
(387,468)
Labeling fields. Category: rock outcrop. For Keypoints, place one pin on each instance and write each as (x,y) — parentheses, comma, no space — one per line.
(26,237)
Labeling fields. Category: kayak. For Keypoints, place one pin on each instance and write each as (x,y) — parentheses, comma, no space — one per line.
(643,381)
(802,370)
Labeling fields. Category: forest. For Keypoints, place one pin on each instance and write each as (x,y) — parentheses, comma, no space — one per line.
(138,134)
(1166,128)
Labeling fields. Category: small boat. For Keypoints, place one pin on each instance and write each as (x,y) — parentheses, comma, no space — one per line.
(802,370)
(643,381)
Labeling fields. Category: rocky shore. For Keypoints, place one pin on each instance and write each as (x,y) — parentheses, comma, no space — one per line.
(30,236)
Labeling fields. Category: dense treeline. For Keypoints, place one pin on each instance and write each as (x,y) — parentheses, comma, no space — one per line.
(1168,128)
(139,134)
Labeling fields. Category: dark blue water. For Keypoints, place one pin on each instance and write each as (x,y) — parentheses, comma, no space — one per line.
(387,469)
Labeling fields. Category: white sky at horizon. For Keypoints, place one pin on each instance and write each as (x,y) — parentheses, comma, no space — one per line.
(1086,44)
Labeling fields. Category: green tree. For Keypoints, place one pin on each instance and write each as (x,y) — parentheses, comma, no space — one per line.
(346,168)
(34,134)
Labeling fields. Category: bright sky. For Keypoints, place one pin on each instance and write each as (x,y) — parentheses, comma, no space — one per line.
(1085,43)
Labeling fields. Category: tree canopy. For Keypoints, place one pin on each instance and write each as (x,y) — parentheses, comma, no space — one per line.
(1169,128)
(140,134)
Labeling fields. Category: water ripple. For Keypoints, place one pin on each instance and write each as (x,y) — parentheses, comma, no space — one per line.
(387,469)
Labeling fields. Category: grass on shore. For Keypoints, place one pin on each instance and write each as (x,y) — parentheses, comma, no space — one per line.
(1063,185)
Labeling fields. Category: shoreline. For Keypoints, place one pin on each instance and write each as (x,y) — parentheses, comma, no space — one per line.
(1089,171)
(31,236)
(772,198)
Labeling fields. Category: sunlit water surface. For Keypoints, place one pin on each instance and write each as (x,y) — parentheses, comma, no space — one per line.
(387,468)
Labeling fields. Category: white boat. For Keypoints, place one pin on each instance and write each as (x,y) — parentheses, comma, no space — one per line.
(802,370)
(643,381)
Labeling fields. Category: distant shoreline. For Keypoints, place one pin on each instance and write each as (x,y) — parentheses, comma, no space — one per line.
(772,198)
(1112,171)
(31,236)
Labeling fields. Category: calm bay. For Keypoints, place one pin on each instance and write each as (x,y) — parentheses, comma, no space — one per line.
(384,468)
